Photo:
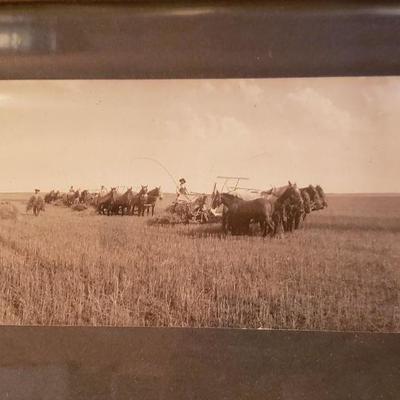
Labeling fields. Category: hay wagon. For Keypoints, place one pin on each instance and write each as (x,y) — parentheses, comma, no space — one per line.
(196,208)
(191,208)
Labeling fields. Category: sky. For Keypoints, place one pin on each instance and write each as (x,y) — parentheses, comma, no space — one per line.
(341,133)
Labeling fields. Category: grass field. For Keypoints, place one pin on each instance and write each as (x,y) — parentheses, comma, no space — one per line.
(340,272)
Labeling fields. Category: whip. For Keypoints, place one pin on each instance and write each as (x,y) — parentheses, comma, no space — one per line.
(159,164)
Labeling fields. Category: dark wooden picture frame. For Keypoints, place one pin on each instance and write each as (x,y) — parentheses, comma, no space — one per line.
(157,40)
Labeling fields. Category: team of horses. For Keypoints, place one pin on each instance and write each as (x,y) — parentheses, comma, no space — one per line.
(112,202)
(276,210)
(129,202)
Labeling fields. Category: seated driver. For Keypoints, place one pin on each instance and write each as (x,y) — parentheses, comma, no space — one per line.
(182,191)
(182,187)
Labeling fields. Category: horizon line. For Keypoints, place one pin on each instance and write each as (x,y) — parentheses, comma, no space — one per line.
(327,193)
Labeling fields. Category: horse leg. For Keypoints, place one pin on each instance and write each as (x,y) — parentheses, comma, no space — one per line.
(152,210)
(264,225)
(297,220)
(289,223)
(224,224)
(224,221)
(276,223)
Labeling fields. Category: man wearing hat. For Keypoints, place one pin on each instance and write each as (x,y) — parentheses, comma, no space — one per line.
(182,187)
(36,196)
(103,191)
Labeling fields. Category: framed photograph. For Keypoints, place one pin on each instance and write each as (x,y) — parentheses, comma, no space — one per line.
(241,177)
(201,203)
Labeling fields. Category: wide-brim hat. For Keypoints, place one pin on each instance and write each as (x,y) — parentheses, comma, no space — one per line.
(37,190)
(182,180)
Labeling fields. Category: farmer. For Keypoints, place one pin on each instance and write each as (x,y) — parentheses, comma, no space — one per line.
(36,195)
(182,187)
(71,189)
(103,191)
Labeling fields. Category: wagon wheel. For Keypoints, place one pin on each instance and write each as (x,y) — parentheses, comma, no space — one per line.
(198,215)
(186,215)
(204,217)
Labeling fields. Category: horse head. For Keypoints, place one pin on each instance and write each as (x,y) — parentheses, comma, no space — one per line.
(113,194)
(322,196)
(129,194)
(306,200)
(291,193)
(216,199)
(143,189)
(296,195)
(315,198)
(228,199)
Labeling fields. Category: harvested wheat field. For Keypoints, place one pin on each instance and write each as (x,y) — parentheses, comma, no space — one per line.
(340,272)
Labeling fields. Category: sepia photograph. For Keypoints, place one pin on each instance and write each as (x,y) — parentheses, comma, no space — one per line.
(229,203)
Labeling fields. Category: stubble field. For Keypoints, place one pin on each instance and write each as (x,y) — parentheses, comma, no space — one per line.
(340,272)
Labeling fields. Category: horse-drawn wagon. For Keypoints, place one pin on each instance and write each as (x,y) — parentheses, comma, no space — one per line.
(199,208)
(191,208)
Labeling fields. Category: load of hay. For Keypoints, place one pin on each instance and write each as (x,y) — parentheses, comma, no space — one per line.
(58,203)
(8,210)
(166,219)
(181,211)
(79,207)
(176,213)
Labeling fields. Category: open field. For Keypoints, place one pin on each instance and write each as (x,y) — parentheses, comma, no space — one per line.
(340,272)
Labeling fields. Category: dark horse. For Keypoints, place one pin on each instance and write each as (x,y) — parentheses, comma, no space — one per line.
(137,199)
(240,213)
(52,196)
(49,197)
(85,197)
(314,200)
(123,202)
(267,211)
(322,196)
(105,203)
(71,198)
(148,200)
